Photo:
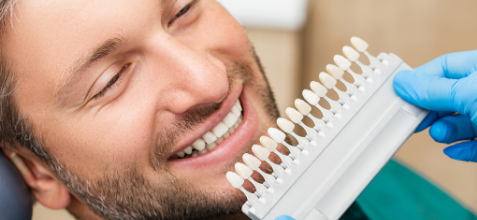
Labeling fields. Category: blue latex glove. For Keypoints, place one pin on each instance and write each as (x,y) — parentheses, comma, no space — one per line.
(448,87)
(284,217)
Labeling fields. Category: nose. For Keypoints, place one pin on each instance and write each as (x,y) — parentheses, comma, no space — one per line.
(191,77)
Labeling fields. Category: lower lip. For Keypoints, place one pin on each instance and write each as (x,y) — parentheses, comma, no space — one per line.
(227,150)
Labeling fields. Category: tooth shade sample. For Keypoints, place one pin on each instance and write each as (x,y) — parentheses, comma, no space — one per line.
(285,125)
(220,129)
(303,107)
(319,89)
(276,135)
(209,137)
(327,80)
(260,152)
(310,97)
(251,161)
(359,44)
(188,150)
(342,62)
(335,71)
(230,119)
(243,170)
(235,179)
(180,154)
(351,53)
(268,143)
(294,115)
(199,144)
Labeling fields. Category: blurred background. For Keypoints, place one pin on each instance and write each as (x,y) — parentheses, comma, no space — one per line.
(295,39)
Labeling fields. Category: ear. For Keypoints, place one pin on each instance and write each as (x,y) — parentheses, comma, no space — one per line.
(44,186)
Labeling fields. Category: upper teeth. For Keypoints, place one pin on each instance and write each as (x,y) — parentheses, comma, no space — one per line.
(214,137)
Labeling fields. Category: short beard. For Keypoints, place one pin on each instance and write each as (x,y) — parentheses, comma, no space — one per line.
(126,194)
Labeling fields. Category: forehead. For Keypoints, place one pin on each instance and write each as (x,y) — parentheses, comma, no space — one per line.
(53,32)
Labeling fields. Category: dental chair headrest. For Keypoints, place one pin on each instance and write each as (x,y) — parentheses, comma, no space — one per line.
(15,197)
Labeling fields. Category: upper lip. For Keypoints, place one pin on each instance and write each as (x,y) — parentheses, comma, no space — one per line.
(211,121)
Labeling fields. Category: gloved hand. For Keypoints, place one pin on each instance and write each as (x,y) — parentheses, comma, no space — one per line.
(448,87)
(284,217)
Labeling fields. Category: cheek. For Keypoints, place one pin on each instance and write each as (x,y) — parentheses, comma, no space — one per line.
(219,34)
(107,142)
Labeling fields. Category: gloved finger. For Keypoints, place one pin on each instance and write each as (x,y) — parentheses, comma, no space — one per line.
(454,65)
(465,151)
(284,217)
(452,128)
(430,119)
(429,92)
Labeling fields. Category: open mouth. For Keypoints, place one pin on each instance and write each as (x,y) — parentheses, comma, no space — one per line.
(215,136)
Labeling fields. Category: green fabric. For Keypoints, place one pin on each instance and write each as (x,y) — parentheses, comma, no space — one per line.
(354,212)
(399,193)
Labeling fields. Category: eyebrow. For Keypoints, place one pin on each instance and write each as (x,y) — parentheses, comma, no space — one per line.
(79,67)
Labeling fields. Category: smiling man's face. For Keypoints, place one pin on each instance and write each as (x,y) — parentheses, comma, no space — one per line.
(118,92)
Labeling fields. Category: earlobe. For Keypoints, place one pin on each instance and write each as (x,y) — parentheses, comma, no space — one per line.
(44,186)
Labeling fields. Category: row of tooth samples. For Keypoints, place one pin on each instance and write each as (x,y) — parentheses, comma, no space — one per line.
(214,137)
(296,115)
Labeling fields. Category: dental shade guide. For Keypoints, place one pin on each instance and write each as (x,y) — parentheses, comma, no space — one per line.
(342,153)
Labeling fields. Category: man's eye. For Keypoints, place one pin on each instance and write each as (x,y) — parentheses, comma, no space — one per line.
(112,82)
(183,11)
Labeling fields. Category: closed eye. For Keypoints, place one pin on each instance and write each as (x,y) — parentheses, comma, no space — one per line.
(112,82)
(183,11)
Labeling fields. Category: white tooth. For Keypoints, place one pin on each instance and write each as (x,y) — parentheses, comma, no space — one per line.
(236,125)
(230,119)
(220,139)
(327,80)
(203,151)
(180,154)
(231,130)
(226,135)
(243,170)
(350,53)
(238,105)
(285,125)
(188,150)
(335,71)
(220,129)
(211,146)
(310,97)
(359,44)
(260,152)
(236,111)
(195,154)
(319,89)
(251,161)
(294,115)
(302,106)
(235,179)
(268,143)
(209,137)
(342,62)
(276,135)
(199,144)
(240,119)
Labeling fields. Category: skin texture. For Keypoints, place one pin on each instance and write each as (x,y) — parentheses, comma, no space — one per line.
(180,76)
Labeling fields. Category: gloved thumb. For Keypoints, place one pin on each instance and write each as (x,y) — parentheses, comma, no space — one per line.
(430,92)
(465,151)
(284,217)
